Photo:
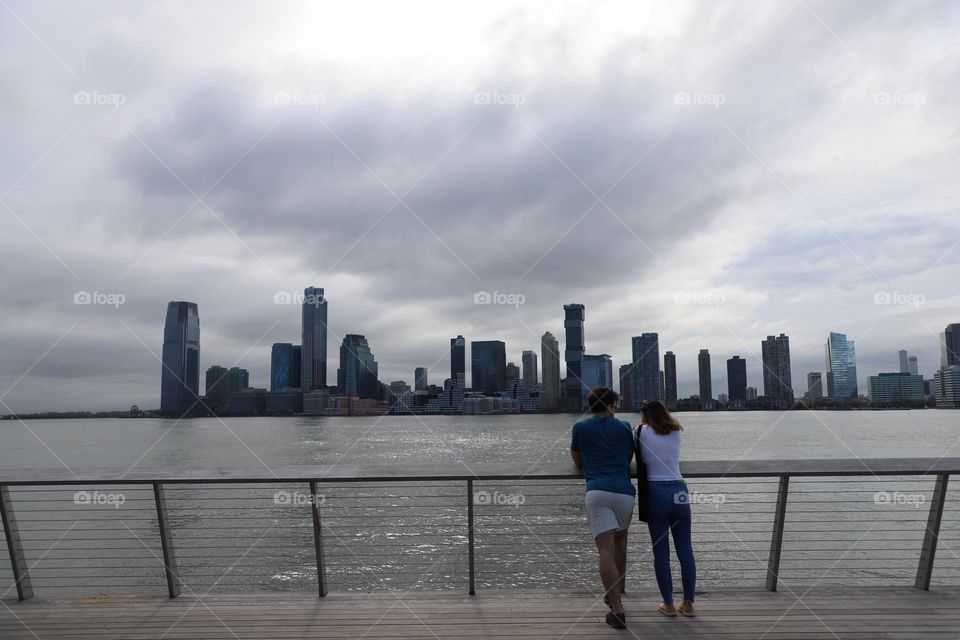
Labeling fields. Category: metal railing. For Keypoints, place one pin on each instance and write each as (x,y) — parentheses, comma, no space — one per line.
(465,527)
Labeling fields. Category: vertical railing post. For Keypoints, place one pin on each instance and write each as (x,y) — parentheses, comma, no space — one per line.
(166,542)
(470,539)
(318,539)
(21,573)
(776,537)
(929,550)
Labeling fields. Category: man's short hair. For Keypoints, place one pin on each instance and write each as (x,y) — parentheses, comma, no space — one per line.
(601,399)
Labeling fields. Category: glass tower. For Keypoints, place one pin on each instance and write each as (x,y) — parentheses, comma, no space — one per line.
(646,368)
(736,379)
(313,372)
(573,317)
(777,379)
(180,377)
(458,361)
(285,366)
(841,362)
(358,372)
(488,370)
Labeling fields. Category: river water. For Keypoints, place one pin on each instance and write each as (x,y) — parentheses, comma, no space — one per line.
(413,535)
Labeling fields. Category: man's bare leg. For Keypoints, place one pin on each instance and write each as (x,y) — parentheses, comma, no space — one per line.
(620,539)
(609,574)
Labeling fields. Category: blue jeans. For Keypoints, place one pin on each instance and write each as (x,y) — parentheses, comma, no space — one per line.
(670,513)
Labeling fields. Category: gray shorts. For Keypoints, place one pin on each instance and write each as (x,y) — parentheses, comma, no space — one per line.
(608,511)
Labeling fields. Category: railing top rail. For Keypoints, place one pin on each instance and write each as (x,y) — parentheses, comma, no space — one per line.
(462,471)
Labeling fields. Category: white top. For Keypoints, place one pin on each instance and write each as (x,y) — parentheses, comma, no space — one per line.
(661,454)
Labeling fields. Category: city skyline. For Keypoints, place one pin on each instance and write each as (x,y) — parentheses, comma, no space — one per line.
(736,171)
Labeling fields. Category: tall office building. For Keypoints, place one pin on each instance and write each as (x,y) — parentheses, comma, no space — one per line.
(550,358)
(950,345)
(736,379)
(237,379)
(597,371)
(458,361)
(314,340)
(488,370)
(903,361)
(420,379)
(626,387)
(215,389)
(670,379)
(358,372)
(285,366)
(912,367)
(814,386)
(573,317)
(646,367)
(841,362)
(777,379)
(706,380)
(513,375)
(180,376)
(529,362)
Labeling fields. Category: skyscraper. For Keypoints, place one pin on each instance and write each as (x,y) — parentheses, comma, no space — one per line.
(458,361)
(285,366)
(912,367)
(814,386)
(573,317)
(488,370)
(420,378)
(777,379)
(736,379)
(841,363)
(529,361)
(626,387)
(215,389)
(358,372)
(513,374)
(314,340)
(550,358)
(646,367)
(903,361)
(706,381)
(180,376)
(670,379)
(597,371)
(237,380)
(950,345)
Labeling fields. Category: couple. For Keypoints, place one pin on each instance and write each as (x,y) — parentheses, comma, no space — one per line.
(603,447)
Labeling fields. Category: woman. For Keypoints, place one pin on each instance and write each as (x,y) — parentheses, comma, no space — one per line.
(658,439)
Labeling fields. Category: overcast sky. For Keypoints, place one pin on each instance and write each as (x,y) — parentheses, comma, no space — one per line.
(715,172)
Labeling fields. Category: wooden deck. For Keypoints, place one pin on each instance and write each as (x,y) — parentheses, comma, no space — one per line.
(862,613)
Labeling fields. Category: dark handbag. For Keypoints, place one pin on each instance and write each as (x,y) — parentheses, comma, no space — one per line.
(643,495)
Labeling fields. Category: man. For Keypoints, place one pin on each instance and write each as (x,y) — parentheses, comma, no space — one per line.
(602,447)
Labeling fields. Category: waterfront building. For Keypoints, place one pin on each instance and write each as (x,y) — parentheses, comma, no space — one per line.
(316,402)
(777,378)
(248,402)
(841,363)
(706,380)
(180,375)
(313,357)
(358,372)
(645,350)
(550,357)
(670,379)
(458,361)
(285,366)
(513,374)
(893,389)
(488,366)
(736,379)
(626,387)
(573,318)
(946,387)
(529,361)
(814,386)
(751,394)
(216,394)
(420,378)
(596,371)
(283,402)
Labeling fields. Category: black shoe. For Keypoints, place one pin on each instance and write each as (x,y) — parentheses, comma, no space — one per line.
(617,620)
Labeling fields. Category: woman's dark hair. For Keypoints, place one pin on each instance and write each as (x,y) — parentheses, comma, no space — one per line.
(601,399)
(656,415)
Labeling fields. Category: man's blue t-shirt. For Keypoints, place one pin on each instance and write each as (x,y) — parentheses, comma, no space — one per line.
(605,445)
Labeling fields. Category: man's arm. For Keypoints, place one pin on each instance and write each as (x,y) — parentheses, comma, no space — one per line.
(576,458)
